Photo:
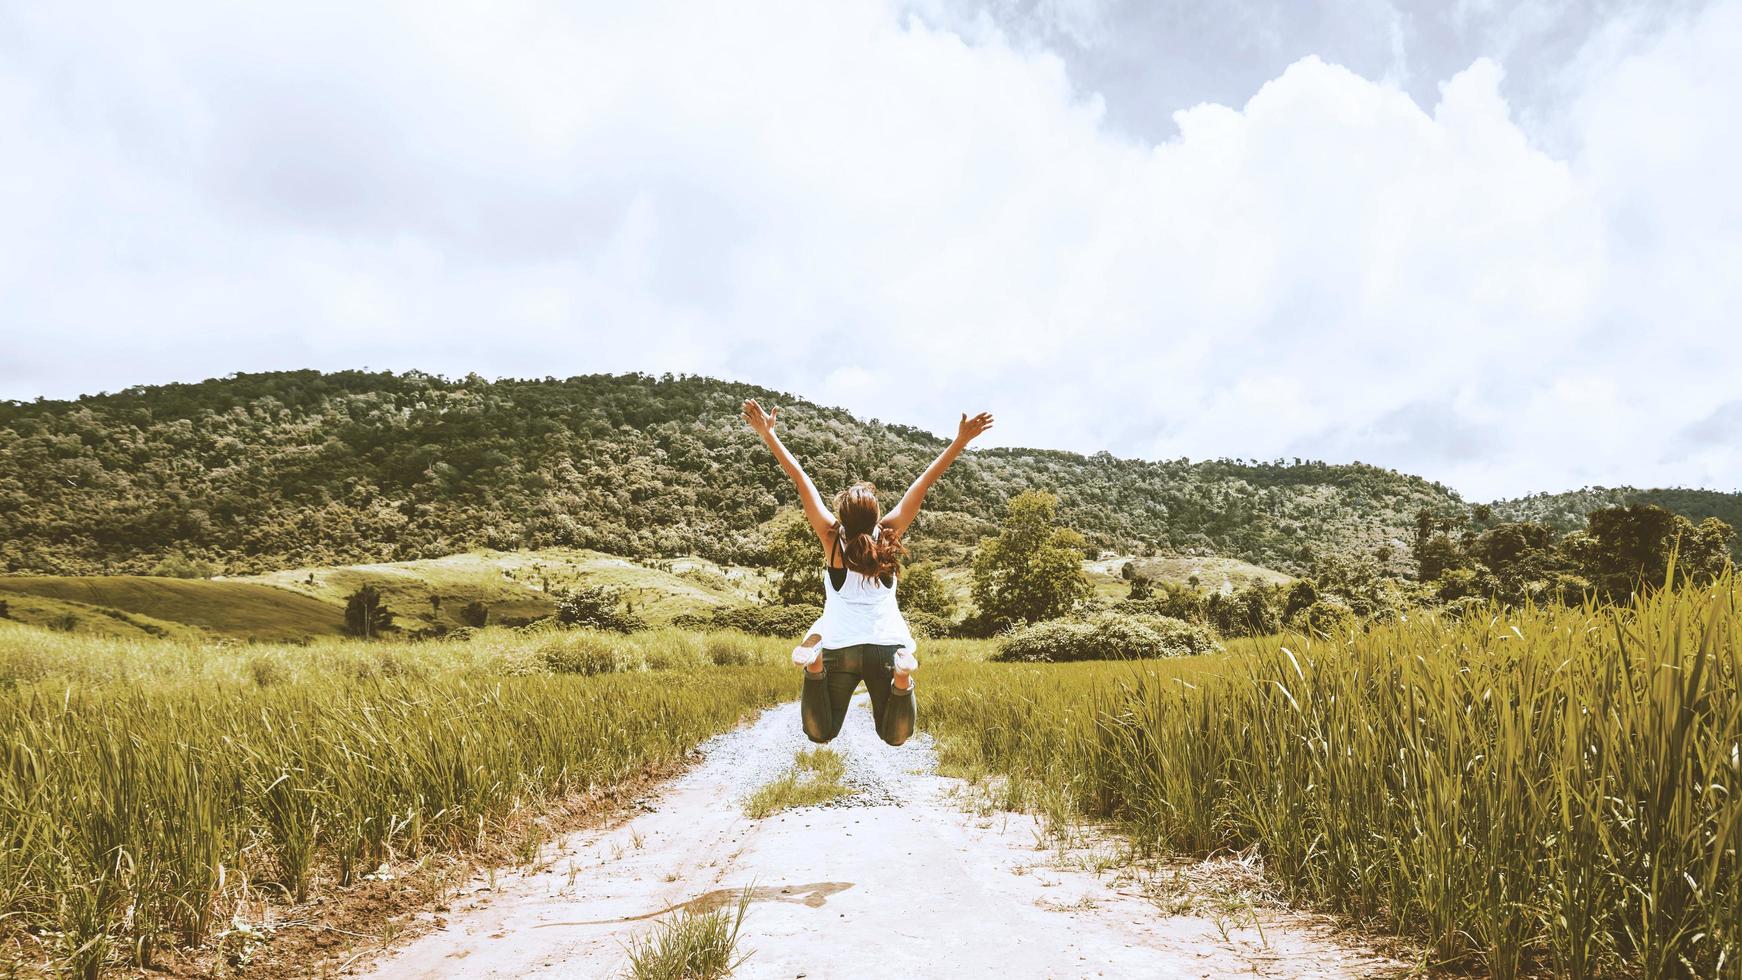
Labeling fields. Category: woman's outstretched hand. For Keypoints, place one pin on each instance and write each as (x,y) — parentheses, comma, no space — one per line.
(972,427)
(762,422)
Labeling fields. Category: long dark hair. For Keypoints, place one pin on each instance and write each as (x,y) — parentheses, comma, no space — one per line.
(858,512)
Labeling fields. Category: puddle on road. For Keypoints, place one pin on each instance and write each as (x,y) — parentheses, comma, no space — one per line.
(814,895)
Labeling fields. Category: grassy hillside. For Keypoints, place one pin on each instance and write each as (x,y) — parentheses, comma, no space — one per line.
(242,609)
(305,603)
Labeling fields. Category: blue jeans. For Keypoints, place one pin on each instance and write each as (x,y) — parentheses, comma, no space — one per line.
(827,694)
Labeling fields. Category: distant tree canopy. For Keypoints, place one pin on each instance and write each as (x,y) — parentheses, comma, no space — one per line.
(1620,550)
(1032,570)
(256,472)
(263,471)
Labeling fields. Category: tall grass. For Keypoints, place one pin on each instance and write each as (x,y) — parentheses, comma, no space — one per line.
(142,786)
(1524,791)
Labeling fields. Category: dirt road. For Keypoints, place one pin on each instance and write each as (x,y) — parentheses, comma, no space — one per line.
(898,880)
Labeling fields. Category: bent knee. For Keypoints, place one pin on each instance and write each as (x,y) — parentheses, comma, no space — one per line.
(818,737)
(896,738)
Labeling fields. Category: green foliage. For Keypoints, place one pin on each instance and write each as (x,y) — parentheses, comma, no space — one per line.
(1631,547)
(1621,551)
(794,553)
(924,593)
(1567,512)
(927,626)
(365,616)
(1253,610)
(1526,792)
(178,565)
(1032,570)
(1141,585)
(755,620)
(475,614)
(1104,636)
(305,469)
(597,607)
(1175,600)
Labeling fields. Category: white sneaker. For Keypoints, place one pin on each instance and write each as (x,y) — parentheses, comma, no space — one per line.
(905,662)
(805,656)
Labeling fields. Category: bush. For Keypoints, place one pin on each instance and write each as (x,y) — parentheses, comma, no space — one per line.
(595,607)
(1107,636)
(1170,599)
(1324,618)
(731,650)
(5,610)
(475,614)
(755,620)
(582,652)
(181,566)
(928,626)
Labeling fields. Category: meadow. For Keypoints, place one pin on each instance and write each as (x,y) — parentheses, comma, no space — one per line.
(1525,792)
(152,790)
(1521,791)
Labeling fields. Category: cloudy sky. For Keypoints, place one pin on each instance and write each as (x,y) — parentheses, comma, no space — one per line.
(1496,244)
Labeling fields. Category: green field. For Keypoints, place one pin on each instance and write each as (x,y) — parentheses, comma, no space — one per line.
(242,609)
(154,789)
(1539,791)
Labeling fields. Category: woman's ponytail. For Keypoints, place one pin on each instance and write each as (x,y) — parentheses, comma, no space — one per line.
(859,514)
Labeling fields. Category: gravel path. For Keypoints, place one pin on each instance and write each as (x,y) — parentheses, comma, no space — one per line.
(895,877)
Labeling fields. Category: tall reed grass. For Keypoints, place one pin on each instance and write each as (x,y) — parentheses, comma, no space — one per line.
(142,785)
(1525,791)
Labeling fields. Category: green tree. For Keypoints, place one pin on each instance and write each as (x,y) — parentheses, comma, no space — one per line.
(475,614)
(793,552)
(595,607)
(365,616)
(923,592)
(1142,587)
(1032,570)
(1629,548)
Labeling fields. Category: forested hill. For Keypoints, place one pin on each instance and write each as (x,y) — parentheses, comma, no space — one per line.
(258,471)
(1566,511)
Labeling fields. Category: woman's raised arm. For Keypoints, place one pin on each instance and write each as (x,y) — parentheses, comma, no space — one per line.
(904,512)
(820,518)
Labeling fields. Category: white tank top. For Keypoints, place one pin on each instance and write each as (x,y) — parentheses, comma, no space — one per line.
(864,610)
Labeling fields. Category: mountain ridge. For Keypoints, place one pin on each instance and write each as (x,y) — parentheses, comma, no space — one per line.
(258,471)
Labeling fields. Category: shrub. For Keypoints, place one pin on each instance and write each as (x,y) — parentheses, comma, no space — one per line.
(730,650)
(1106,636)
(5,610)
(475,614)
(1324,618)
(582,652)
(595,607)
(928,626)
(180,566)
(755,620)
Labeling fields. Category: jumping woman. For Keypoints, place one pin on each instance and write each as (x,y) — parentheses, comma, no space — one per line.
(861,634)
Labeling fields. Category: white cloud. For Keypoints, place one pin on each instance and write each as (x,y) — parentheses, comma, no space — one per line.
(845,202)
